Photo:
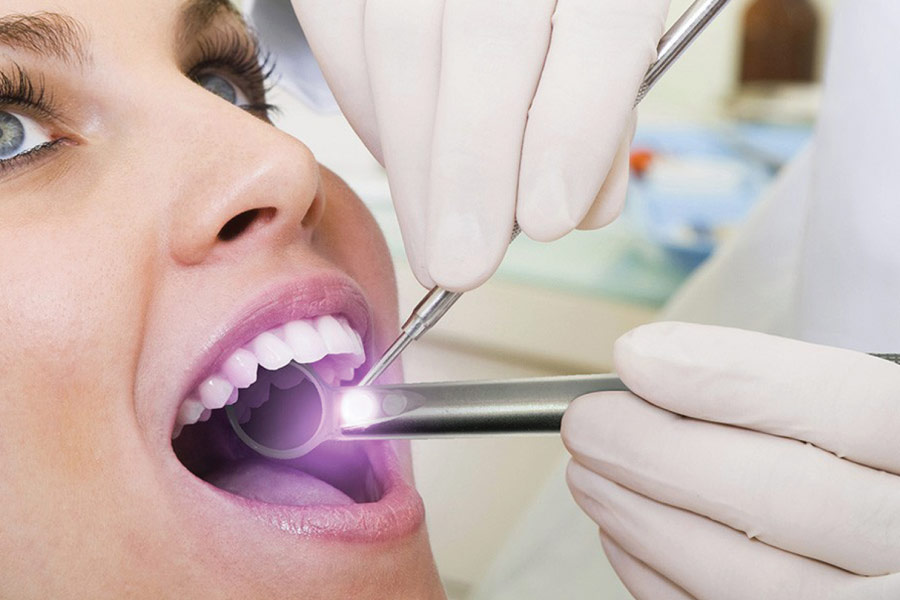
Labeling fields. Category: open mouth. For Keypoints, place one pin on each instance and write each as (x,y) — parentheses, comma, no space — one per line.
(251,379)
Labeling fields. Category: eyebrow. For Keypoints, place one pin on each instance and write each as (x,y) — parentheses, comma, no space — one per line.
(46,34)
(54,35)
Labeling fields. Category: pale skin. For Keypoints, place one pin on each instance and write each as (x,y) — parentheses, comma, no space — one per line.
(113,273)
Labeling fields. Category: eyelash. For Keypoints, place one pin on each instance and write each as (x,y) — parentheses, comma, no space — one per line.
(18,90)
(242,58)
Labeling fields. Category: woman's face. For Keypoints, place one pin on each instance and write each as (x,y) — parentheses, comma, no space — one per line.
(153,224)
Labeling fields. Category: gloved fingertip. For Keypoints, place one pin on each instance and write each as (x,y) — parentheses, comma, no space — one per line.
(583,485)
(463,254)
(576,475)
(651,357)
(544,209)
(420,272)
(577,421)
(647,340)
(609,202)
(458,274)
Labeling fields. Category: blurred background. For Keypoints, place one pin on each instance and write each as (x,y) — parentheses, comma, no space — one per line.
(712,136)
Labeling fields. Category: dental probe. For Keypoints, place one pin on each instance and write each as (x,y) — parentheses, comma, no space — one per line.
(438,301)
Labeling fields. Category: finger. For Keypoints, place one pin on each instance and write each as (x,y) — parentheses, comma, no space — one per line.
(642,581)
(599,54)
(706,559)
(786,493)
(610,201)
(491,62)
(335,32)
(403,52)
(842,401)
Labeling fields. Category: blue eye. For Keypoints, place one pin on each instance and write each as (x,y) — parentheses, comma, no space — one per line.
(19,135)
(223,88)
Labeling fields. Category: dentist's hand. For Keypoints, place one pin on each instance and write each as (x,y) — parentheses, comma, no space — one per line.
(483,111)
(753,467)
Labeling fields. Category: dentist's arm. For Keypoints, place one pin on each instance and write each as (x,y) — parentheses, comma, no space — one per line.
(486,111)
(745,466)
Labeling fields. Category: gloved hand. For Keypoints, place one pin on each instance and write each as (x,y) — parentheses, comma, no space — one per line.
(745,466)
(480,115)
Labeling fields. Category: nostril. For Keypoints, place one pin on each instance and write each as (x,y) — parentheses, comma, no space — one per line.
(239,225)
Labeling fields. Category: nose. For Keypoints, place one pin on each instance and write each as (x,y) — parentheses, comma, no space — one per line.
(241,184)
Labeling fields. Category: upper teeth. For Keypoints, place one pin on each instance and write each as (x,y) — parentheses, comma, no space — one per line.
(328,342)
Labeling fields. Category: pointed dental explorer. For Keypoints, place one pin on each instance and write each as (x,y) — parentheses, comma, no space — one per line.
(438,301)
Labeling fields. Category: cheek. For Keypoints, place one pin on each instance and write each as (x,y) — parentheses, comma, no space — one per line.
(349,237)
(63,288)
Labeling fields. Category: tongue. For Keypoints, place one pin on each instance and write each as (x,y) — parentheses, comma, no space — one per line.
(270,482)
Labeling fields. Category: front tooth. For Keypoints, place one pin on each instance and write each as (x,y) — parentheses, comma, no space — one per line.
(305,342)
(240,368)
(336,339)
(325,371)
(354,360)
(271,352)
(214,392)
(233,397)
(345,373)
(189,412)
(354,337)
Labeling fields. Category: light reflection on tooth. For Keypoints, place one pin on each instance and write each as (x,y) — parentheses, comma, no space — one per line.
(240,368)
(334,336)
(214,392)
(270,351)
(305,342)
(189,412)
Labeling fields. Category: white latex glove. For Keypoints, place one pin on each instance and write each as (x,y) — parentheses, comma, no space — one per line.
(753,467)
(480,115)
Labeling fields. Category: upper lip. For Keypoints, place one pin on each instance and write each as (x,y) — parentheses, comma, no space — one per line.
(327,293)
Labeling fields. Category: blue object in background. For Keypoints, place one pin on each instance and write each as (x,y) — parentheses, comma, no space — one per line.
(702,182)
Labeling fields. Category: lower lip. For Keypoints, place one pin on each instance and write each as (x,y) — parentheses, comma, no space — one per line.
(398,514)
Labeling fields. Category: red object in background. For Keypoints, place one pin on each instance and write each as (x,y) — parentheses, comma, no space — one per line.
(641,160)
